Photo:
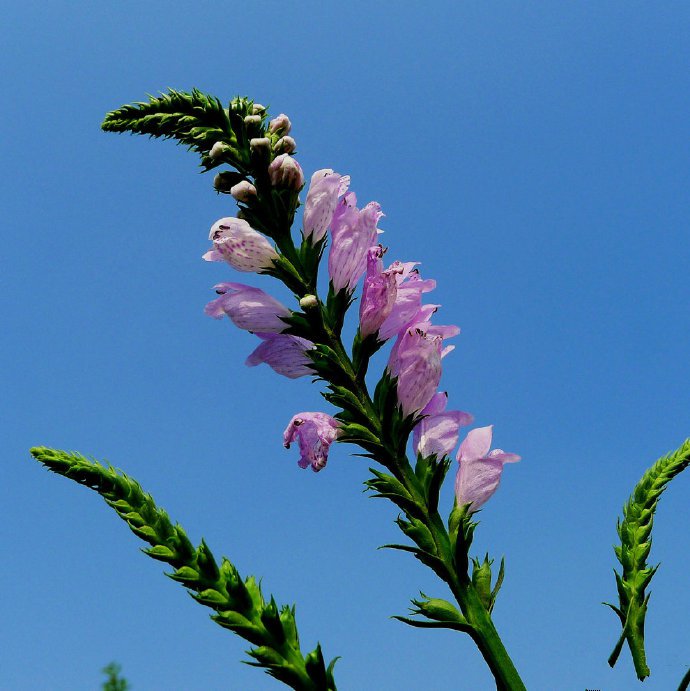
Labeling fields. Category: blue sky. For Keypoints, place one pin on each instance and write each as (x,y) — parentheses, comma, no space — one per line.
(533,156)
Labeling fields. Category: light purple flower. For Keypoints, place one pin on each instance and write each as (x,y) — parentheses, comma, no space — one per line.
(480,469)
(284,171)
(248,308)
(416,362)
(284,353)
(315,432)
(421,321)
(408,300)
(322,198)
(353,233)
(378,293)
(438,432)
(237,243)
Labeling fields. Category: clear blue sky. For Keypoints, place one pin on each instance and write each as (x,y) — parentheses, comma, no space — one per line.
(533,156)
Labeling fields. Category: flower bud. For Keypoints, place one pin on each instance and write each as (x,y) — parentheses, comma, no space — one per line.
(280,124)
(225,181)
(285,172)
(218,149)
(243,191)
(252,120)
(285,145)
(258,109)
(308,302)
(259,144)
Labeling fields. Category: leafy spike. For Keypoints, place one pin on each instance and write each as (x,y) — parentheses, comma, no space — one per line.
(238,605)
(635,532)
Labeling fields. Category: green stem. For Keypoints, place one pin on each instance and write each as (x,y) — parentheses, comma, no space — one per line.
(488,641)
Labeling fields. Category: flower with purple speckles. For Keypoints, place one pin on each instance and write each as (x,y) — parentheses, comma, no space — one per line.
(284,353)
(378,293)
(285,172)
(248,308)
(238,244)
(324,189)
(480,469)
(437,433)
(314,432)
(353,232)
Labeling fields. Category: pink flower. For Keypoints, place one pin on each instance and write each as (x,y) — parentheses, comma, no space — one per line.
(416,362)
(408,300)
(378,293)
(284,171)
(237,243)
(480,469)
(284,353)
(248,308)
(315,432)
(353,233)
(437,433)
(322,198)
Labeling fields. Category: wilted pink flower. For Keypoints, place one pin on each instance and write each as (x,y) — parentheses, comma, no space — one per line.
(353,233)
(437,433)
(281,123)
(378,293)
(480,469)
(322,198)
(408,300)
(243,191)
(248,307)
(416,362)
(237,243)
(284,353)
(315,432)
(284,171)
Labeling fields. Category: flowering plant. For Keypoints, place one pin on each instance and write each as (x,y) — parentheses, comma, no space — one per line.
(402,407)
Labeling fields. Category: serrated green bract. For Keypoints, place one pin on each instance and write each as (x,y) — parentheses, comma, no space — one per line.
(635,532)
(238,604)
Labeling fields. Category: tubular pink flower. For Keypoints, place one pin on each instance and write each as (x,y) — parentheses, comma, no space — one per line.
(353,233)
(314,432)
(438,432)
(322,198)
(248,308)
(421,321)
(378,293)
(284,171)
(284,353)
(480,469)
(238,244)
(408,300)
(416,362)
